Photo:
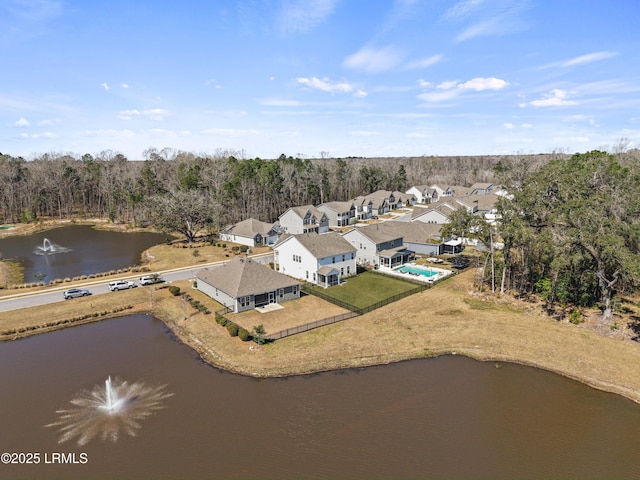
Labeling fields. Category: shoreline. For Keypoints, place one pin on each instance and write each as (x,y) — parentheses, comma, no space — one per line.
(448,319)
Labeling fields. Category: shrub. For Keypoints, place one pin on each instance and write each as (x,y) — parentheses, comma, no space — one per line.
(244,335)
(221,320)
(233,329)
(244,248)
(575,317)
(175,291)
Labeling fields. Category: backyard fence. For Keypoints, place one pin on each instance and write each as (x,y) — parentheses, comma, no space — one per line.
(368,308)
(310,326)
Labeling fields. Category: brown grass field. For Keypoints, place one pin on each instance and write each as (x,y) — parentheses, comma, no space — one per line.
(450,318)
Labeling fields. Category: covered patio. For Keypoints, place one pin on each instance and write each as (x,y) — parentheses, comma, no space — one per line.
(328,276)
(394,257)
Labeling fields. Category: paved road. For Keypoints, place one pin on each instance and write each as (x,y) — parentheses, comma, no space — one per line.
(54,294)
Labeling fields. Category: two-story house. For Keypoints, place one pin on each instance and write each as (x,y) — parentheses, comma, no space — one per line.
(305,219)
(319,259)
(340,214)
(378,245)
(423,193)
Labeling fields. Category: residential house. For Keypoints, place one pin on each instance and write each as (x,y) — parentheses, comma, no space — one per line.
(423,193)
(364,207)
(242,284)
(379,203)
(340,214)
(251,232)
(481,188)
(437,213)
(404,199)
(419,238)
(377,245)
(320,259)
(443,191)
(305,219)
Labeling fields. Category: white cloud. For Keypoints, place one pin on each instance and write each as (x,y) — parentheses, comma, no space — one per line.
(373,60)
(424,62)
(424,83)
(461,9)
(508,125)
(588,58)
(450,89)
(157,114)
(479,84)
(124,85)
(304,15)
(527,125)
(105,86)
(326,85)
(446,85)
(555,98)
(21,122)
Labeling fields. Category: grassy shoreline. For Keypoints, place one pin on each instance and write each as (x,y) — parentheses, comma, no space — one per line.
(451,318)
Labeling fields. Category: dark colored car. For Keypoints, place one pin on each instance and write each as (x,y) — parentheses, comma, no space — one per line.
(75,292)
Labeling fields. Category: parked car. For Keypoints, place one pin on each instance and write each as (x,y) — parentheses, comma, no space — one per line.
(121,285)
(150,279)
(75,292)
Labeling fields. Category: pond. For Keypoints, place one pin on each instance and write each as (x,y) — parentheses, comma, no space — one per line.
(76,250)
(446,417)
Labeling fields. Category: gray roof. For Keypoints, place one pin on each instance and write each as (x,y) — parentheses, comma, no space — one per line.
(301,211)
(379,233)
(339,207)
(322,245)
(242,276)
(249,228)
(415,232)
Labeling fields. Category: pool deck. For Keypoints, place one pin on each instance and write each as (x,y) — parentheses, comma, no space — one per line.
(440,273)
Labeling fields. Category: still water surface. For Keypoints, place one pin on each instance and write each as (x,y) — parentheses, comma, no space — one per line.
(91,251)
(445,417)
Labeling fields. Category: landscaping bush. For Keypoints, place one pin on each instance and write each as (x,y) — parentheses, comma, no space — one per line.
(175,291)
(244,248)
(221,320)
(233,329)
(244,335)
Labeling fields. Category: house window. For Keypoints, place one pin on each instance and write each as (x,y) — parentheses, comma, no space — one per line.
(348,269)
(306,274)
(353,255)
(314,277)
(342,271)
(245,301)
(281,292)
(344,258)
(333,259)
(295,289)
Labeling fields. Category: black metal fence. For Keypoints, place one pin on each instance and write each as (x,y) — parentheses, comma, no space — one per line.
(310,326)
(368,308)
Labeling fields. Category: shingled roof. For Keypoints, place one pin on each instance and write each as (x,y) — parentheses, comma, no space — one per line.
(249,228)
(321,245)
(242,276)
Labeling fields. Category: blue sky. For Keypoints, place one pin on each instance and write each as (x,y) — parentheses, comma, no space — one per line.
(301,77)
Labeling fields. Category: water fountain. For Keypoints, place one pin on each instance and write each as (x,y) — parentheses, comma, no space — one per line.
(50,248)
(106,411)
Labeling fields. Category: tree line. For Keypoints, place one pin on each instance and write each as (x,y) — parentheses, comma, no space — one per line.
(569,231)
(231,187)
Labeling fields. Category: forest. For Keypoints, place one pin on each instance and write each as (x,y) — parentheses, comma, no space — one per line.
(569,231)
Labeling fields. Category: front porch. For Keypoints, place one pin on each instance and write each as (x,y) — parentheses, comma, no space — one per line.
(328,276)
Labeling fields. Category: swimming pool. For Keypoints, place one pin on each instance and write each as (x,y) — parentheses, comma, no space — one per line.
(416,270)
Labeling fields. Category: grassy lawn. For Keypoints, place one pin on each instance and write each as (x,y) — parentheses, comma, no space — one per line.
(367,289)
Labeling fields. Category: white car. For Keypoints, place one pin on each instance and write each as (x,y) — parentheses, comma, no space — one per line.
(121,285)
(150,279)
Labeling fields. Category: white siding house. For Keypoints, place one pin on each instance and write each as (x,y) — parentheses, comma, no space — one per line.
(378,245)
(340,214)
(318,259)
(251,232)
(305,219)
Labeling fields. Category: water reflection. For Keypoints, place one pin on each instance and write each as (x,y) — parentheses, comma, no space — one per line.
(108,410)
